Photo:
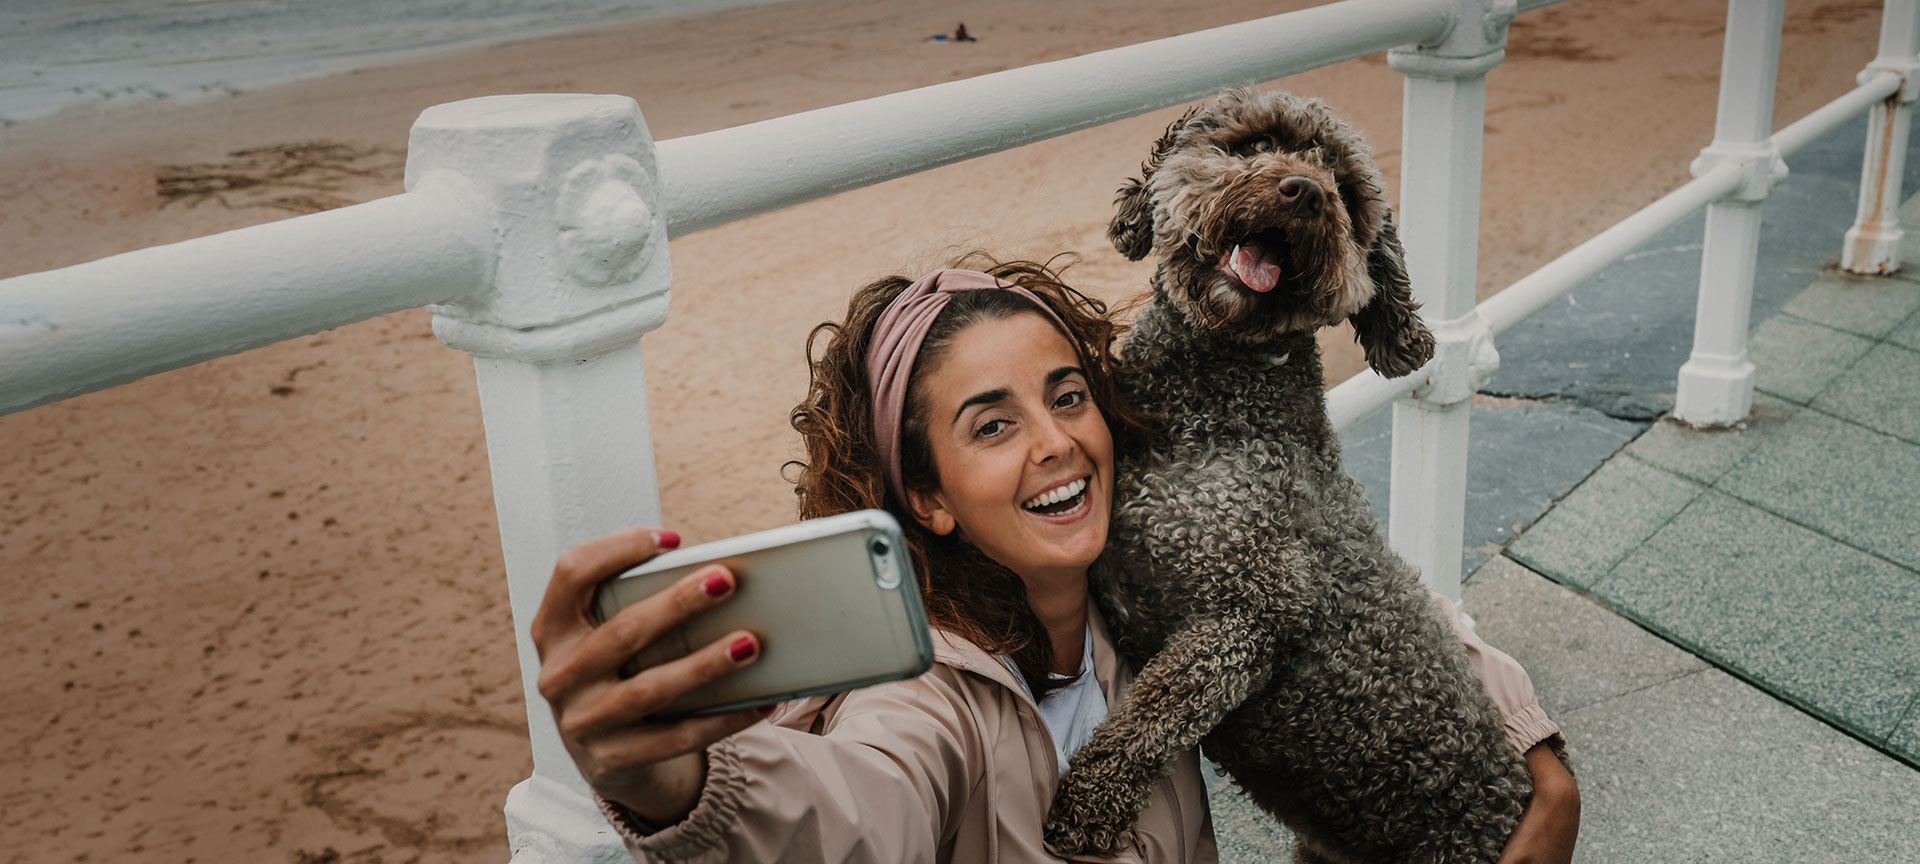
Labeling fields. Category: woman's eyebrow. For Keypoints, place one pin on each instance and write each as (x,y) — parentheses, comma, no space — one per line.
(987,398)
(1060,374)
(998,394)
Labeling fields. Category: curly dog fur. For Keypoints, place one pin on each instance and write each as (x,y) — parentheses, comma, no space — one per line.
(1245,575)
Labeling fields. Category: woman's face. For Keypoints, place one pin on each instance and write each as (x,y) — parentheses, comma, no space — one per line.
(1012,426)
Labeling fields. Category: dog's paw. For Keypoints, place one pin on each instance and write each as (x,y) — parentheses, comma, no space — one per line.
(1083,824)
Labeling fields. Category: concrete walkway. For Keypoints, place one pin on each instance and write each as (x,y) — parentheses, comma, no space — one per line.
(1787,552)
(1678,760)
(1726,624)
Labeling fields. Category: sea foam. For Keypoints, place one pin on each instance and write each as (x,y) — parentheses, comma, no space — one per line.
(56,53)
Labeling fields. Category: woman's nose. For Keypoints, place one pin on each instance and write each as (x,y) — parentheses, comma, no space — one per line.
(1050,440)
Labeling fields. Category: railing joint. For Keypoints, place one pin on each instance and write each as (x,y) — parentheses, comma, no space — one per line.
(583,243)
(1904,68)
(1464,360)
(1761,167)
(1464,49)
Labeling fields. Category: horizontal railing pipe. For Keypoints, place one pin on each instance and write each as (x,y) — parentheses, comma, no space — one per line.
(1360,396)
(1540,288)
(812,154)
(1363,395)
(1827,117)
(83,328)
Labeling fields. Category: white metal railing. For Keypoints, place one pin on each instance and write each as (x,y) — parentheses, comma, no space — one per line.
(537,225)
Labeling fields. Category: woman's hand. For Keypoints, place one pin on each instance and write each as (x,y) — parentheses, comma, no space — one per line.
(1547,829)
(654,769)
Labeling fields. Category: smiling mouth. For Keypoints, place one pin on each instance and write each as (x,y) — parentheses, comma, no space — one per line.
(1059,501)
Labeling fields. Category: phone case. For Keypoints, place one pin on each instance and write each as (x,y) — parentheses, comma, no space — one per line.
(833,600)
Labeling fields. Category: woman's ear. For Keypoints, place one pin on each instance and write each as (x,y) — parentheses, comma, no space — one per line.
(930,511)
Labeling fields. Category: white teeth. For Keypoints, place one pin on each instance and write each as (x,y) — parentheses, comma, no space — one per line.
(1057,495)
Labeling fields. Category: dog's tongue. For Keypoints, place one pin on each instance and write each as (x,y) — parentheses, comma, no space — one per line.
(1250,263)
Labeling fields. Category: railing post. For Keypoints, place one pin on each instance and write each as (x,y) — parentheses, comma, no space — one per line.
(1873,243)
(1442,134)
(582,274)
(1716,384)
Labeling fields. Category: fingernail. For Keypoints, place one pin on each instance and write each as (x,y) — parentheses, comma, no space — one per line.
(741,649)
(716,584)
(764,710)
(666,539)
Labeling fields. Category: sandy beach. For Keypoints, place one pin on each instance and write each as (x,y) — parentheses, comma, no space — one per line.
(256,607)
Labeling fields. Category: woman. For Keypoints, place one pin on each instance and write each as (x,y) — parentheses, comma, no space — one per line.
(982,411)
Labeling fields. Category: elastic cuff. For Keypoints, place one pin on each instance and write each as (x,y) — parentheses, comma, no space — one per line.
(1529,726)
(632,827)
(714,816)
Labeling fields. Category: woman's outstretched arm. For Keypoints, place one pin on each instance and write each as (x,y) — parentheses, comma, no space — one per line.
(878,786)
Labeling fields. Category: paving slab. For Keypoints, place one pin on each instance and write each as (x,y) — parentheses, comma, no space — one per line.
(1841,479)
(1906,736)
(1866,305)
(1577,652)
(1613,512)
(1511,480)
(1880,392)
(1796,359)
(1704,454)
(1706,768)
(1907,335)
(1832,629)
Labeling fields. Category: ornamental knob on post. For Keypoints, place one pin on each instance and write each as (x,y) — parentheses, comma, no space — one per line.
(583,264)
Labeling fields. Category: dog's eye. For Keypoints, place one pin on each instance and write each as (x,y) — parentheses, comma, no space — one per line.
(1263,145)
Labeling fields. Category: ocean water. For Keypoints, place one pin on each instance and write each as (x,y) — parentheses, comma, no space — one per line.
(56,53)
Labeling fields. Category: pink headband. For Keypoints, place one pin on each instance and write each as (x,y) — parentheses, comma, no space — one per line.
(896,341)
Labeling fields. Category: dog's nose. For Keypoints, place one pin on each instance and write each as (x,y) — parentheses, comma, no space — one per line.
(1299,190)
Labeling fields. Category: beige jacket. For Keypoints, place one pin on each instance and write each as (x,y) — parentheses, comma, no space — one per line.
(955,765)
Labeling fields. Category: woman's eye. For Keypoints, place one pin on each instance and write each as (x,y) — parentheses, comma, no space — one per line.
(1070,399)
(989,429)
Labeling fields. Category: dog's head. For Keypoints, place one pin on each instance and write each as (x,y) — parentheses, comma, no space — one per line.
(1268,217)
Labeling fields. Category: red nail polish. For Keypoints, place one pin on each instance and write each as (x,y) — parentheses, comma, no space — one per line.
(666,539)
(765,710)
(716,584)
(741,649)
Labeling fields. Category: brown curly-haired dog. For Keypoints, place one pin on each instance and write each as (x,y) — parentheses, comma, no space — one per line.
(1245,574)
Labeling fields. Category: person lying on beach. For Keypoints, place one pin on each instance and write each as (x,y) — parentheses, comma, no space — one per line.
(955,402)
(959,34)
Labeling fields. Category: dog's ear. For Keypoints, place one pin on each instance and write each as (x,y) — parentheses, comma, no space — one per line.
(1132,227)
(1389,328)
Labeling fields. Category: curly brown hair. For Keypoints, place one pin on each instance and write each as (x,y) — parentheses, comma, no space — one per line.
(966,593)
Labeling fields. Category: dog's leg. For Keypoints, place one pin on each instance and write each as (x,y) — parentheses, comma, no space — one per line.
(1203,672)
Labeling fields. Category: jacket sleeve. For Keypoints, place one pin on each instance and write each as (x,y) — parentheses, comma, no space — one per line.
(1509,687)
(882,783)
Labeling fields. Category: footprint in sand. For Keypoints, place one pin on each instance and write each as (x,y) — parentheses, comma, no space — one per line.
(431,782)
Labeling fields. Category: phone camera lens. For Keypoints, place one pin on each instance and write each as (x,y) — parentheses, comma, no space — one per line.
(879,547)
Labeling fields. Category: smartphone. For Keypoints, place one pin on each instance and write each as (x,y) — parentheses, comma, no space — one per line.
(833,600)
